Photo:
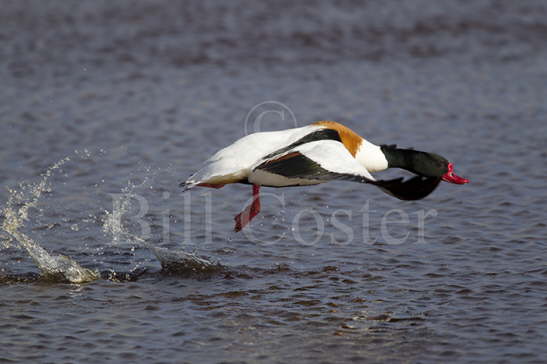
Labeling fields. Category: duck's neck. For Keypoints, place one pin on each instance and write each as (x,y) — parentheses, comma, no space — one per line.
(409,159)
(371,157)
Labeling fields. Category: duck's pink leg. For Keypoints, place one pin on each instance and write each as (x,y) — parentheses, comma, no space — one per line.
(244,217)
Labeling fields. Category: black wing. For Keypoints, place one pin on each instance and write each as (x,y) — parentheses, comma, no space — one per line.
(414,188)
(297,165)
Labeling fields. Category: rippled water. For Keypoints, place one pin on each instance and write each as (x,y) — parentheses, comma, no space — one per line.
(133,96)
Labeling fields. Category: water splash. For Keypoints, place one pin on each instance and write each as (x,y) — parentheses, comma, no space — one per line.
(172,261)
(16,213)
(180,261)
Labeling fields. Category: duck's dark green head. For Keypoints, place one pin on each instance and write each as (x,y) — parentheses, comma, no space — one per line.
(422,163)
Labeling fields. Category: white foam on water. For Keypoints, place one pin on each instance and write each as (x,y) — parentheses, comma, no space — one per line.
(16,213)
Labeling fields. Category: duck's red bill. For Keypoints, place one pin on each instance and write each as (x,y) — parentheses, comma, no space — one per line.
(451,177)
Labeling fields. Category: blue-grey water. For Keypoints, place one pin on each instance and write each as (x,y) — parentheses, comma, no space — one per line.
(107,106)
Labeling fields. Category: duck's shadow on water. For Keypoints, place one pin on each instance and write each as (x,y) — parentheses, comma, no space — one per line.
(173,263)
(182,270)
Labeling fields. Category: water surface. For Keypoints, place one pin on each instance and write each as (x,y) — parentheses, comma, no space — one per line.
(133,96)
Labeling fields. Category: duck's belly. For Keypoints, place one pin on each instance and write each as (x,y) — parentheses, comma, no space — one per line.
(264,178)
